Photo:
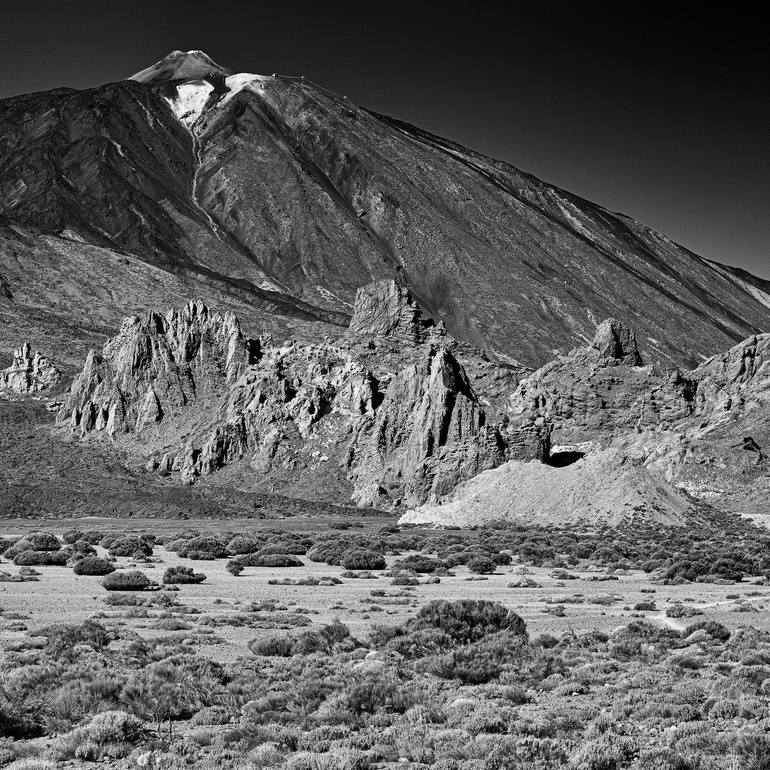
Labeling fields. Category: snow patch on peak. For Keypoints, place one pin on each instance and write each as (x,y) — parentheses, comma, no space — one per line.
(244,81)
(190,100)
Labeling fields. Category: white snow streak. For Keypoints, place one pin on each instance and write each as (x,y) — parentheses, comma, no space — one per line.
(190,100)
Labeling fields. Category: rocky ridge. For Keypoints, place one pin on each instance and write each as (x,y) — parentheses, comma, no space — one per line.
(636,439)
(191,389)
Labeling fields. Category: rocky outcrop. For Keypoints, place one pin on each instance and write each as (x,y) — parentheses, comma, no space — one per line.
(601,390)
(29,373)
(387,309)
(736,380)
(429,434)
(616,342)
(155,367)
(189,390)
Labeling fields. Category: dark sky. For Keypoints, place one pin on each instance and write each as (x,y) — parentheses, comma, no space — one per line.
(662,115)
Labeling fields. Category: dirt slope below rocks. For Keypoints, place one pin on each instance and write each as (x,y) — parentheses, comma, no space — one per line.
(605,487)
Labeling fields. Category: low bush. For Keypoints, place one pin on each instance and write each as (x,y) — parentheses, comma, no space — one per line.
(41,558)
(130,546)
(362,559)
(468,620)
(93,565)
(182,575)
(131,580)
(109,734)
(418,563)
(33,541)
(268,560)
(203,547)
(482,565)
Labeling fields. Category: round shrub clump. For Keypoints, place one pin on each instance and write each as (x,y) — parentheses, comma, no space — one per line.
(243,544)
(269,560)
(362,558)
(126,580)
(33,541)
(203,547)
(234,567)
(182,575)
(93,565)
(130,546)
(482,565)
(41,559)
(468,620)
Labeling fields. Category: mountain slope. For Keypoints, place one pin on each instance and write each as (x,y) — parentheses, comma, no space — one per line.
(271,184)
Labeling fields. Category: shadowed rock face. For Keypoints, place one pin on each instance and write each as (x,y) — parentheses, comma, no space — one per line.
(29,373)
(273,190)
(189,395)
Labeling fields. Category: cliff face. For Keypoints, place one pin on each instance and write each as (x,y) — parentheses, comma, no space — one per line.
(190,395)
(274,193)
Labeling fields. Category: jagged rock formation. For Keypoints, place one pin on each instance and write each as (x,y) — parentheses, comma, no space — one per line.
(201,397)
(601,390)
(29,373)
(387,309)
(157,366)
(273,194)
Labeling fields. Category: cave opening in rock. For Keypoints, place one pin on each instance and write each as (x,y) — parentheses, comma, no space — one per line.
(562,459)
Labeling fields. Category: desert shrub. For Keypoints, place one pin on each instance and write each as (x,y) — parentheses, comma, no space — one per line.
(182,575)
(79,550)
(482,565)
(753,751)
(641,638)
(205,547)
(41,558)
(212,715)
(130,546)
(467,620)
(682,611)
(126,580)
(711,627)
(332,638)
(93,565)
(283,546)
(244,544)
(405,579)
(268,560)
(72,536)
(111,733)
(481,661)
(416,644)
(645,606)
(34,541)
(420,563)
(604,753)
(362,558)
(234,567)
(63,637)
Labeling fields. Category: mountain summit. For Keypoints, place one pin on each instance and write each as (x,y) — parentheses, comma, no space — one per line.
(181,65)
(273,197)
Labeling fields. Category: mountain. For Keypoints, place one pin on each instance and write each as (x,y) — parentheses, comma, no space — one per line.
(272,197)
